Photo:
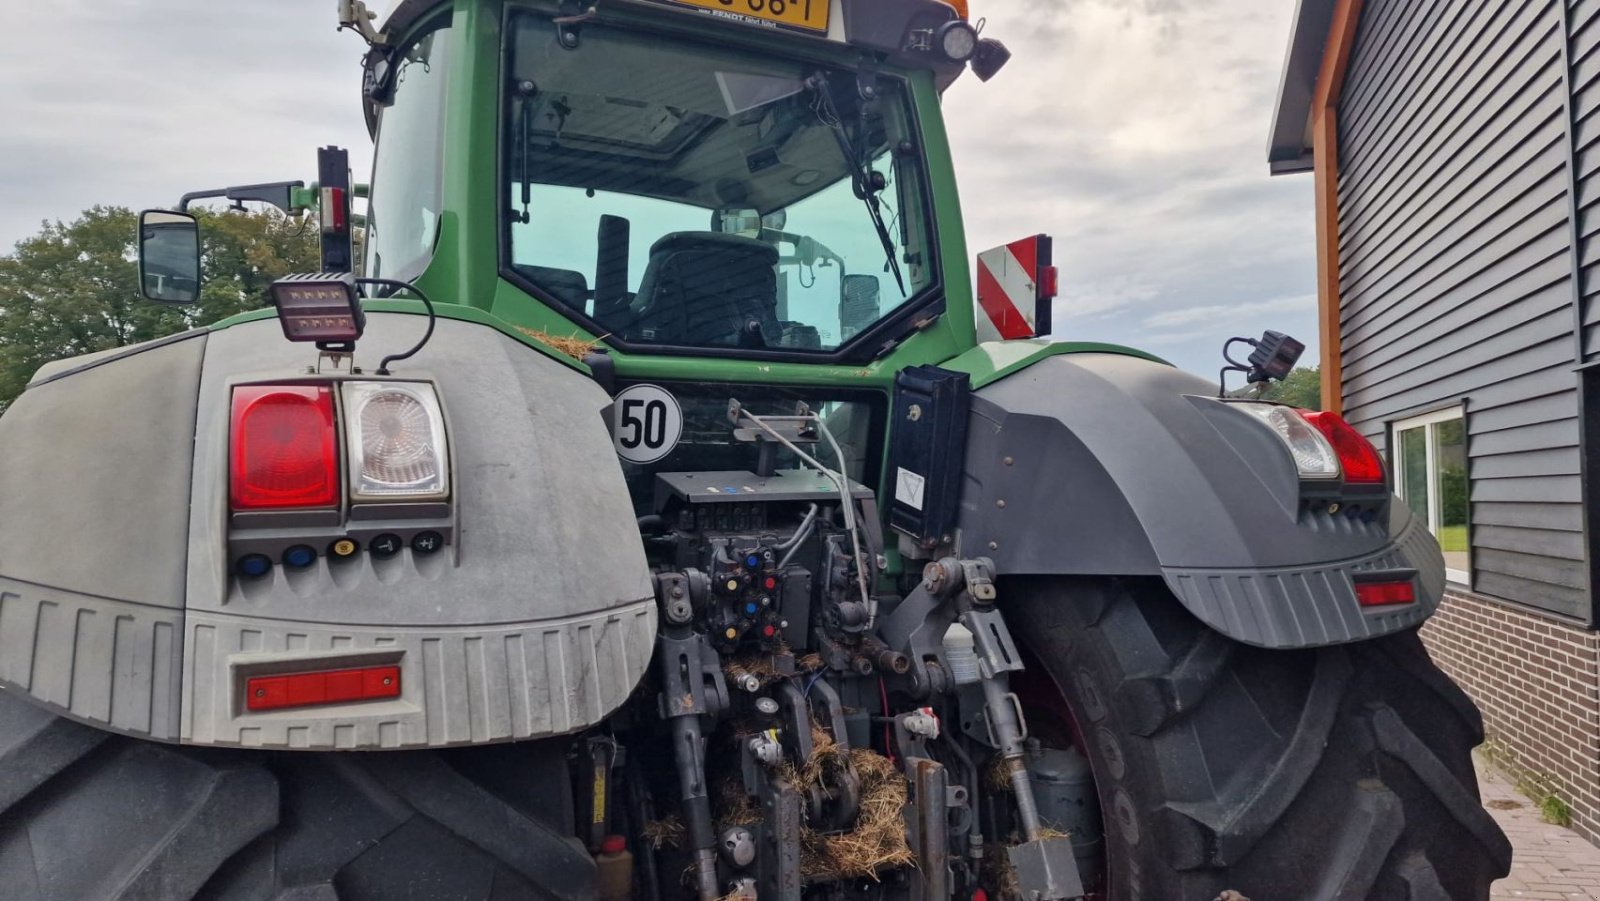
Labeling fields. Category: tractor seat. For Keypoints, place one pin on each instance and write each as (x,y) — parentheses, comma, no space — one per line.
(704,289)
(569,287)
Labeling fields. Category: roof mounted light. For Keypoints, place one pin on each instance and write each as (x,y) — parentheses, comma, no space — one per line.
(957,40)
(1272,356)
(990,57)
(321,307)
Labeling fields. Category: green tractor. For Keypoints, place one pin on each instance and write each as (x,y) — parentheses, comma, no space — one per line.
(661,514)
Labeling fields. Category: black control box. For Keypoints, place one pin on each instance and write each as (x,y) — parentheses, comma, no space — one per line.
(927,449)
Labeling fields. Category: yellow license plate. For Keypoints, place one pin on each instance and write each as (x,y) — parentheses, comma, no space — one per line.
(804,15)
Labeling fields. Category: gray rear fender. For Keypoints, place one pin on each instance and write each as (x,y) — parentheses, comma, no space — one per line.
(1105,464)
(119,605)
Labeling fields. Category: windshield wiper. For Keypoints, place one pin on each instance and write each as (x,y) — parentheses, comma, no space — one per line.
(867,183)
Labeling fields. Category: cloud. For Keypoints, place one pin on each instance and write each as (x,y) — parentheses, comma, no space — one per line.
(1132,131)
(1166,339)
(135,102)
(1199,315)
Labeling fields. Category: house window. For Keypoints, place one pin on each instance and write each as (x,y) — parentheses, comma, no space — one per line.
(1430,474)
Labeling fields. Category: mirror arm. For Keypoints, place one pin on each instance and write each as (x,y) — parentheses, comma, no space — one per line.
(281,194)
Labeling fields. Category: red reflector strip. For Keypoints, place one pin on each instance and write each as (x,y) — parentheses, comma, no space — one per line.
(1385,594)
(326,687)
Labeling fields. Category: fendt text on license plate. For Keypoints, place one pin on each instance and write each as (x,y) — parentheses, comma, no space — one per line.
(806,15)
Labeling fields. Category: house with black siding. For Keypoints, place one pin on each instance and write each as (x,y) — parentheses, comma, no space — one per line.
(1455,147)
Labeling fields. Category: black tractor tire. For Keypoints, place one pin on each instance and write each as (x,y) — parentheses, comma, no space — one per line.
(1342,772)
(85,815)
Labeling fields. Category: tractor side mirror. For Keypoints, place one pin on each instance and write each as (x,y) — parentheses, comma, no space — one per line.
(169,257)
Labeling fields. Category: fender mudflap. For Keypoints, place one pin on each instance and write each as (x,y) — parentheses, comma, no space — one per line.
(1109,464)
(1302,606)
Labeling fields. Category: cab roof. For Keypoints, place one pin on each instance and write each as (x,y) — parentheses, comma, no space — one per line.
(888,26)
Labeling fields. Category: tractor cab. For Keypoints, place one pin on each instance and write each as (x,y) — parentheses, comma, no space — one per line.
(731,200)
(677,179)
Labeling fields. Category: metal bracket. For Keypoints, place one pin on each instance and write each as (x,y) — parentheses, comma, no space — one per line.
(778,859)
(1046,869)
(996,737)
(978,576)
(673,594)
(830,710)
(569,22)
(917,624)
(691,677)
(796,720)
(280,194)
(927,823)
(996,650)
(332,361)
(354,15)
(916,629)
(867,81)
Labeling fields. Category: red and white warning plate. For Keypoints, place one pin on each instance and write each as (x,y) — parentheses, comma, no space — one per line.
(1016,284)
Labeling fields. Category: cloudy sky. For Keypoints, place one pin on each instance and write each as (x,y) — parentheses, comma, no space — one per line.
(1131,130)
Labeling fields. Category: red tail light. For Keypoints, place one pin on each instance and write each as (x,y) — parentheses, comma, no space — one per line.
(326,687)
(282,449)
(1357,456)
(1385,594)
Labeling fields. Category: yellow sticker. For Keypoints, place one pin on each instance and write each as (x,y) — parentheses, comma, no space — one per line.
(805,15)
(599,794)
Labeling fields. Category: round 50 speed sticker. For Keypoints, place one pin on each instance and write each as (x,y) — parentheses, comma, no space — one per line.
(646,423)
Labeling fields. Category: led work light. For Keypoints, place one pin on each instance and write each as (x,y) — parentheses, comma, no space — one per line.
(958,41)
(1274,357)
(321,307)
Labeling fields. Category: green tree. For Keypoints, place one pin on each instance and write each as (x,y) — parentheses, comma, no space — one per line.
(74,287)
(1302,388)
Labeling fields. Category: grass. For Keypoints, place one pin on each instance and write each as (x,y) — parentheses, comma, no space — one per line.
(1544,791)
(1453,538)
(1554,810)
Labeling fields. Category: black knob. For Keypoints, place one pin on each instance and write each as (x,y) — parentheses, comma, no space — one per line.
(385,546)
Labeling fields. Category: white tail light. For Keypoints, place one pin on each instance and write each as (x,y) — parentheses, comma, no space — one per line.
(396,442)
(1313,454)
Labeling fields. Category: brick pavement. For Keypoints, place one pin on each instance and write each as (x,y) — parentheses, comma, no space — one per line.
(1548,861)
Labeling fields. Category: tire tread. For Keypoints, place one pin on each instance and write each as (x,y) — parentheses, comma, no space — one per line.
(262,826)
(1335,773)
